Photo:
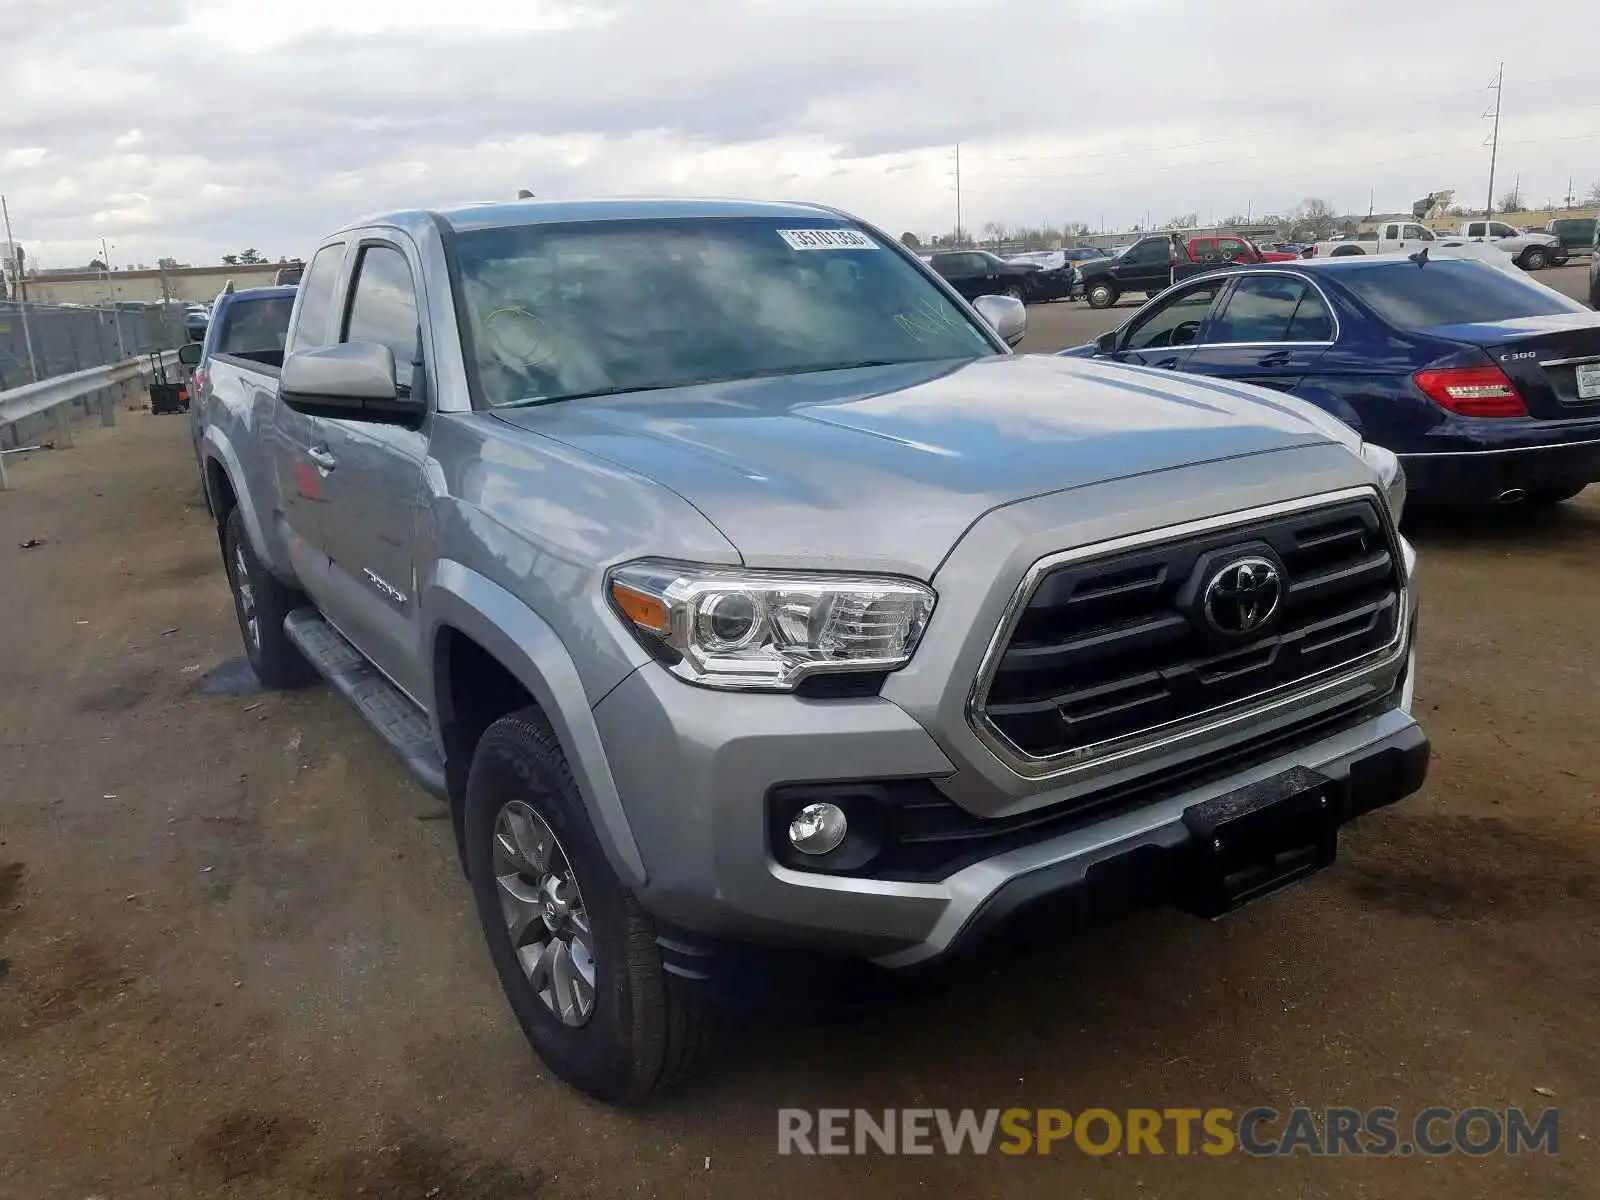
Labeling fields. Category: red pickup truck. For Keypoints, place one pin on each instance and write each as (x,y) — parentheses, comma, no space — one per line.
(1231,248)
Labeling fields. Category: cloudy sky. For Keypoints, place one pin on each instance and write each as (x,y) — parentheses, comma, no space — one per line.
(198,127)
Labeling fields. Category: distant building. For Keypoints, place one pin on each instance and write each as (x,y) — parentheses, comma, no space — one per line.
(84,286)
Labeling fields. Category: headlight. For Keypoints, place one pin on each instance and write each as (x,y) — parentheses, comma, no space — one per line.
(767,630)
(1392,474)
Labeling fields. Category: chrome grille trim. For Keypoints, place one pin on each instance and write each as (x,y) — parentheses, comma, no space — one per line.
(1366,672)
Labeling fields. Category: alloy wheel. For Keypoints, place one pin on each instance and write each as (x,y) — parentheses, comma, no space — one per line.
(544,913)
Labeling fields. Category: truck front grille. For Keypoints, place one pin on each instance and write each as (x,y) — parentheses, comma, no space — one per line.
(1115,648)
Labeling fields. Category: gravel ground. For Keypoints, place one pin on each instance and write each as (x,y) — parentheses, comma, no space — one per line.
(237,958)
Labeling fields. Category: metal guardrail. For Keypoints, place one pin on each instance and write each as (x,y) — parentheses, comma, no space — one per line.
(56,395)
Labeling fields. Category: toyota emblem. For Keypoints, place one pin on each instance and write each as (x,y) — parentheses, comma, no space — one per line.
(1243,595)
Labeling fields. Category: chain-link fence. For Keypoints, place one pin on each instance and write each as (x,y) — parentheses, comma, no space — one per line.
(69,339)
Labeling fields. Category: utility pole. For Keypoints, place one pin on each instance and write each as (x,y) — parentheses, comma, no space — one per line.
(22,295)
(116,313)
(1567,200)
(1497,87)
(960,240)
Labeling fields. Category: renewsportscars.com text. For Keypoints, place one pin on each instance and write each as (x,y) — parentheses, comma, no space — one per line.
(1259,1131)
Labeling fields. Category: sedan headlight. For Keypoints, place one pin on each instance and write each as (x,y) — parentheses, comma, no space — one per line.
(1391,473)
(767,630)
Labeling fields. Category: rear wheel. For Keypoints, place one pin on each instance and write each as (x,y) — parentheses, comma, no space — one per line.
(1536,259)
(261,603)
(1346,252)
(1013,292)
(575,951)
(1102,295)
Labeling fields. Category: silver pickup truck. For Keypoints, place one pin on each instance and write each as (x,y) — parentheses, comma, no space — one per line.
(737,587)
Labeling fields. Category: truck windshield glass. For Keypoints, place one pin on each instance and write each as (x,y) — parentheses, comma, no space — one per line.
(1451,293)
(554,312)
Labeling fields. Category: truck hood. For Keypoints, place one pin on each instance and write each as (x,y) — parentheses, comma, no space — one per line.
(884,468)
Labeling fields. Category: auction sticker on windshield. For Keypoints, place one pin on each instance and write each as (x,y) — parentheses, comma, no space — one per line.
(827,239)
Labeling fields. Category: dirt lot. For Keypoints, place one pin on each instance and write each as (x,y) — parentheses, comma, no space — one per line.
(237,958)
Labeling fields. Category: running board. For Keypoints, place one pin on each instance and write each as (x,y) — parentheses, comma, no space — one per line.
(397,721)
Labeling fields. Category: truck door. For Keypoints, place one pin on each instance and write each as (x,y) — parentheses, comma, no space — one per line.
(299,479)
(1146,267)
(373,492)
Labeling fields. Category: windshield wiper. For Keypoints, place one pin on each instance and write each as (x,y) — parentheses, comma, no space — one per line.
(705,380)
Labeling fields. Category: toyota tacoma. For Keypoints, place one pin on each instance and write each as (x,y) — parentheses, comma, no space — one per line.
(736,586)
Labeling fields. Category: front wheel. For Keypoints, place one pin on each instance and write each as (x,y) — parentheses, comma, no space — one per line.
(575,951)
(1102,295)
(1535,260)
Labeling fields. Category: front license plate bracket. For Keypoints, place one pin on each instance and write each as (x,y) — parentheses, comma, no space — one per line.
(1251,842)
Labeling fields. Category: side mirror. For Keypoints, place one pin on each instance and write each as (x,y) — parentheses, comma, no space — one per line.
(1007,317)
(353,381)
(1106,343)
(189,354)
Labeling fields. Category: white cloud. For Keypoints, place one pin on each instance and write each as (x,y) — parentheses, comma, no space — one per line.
(295,117)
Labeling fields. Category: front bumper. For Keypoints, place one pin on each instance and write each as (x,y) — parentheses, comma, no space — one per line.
(1478,477)
(700,763)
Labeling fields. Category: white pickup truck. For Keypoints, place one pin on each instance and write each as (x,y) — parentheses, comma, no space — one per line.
(1530,251)
(1407,237)
(1387,238)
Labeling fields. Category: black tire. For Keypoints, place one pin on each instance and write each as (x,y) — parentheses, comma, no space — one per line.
(1102,295)
(273,657)
(646,1031)
(1535,259)
(1552,495)
(1346,252)
(1013,292)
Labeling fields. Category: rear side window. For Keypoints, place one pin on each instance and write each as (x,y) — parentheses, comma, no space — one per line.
(1272,308)
(256,329)
(1446,292)
(383,308)
(316,298)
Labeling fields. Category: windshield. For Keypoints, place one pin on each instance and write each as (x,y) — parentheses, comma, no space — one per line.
(1446,292)
(553,312)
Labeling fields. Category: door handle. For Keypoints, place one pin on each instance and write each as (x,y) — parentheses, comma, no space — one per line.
(322,457)
(1166,364)
(1276,359)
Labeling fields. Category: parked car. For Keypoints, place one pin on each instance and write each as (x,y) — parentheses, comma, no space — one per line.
(1576,234)
(1530,251)
(248,326)
(1150,265)
(1486,384)
(195,319)
(822,623)
(976,273)
(1387,238)
(1082,254)
(1594,270)
(1232,248)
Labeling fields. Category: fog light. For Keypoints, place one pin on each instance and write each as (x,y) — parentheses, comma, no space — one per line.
(818,828)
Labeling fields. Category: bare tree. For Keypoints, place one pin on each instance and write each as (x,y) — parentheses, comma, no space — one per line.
(910,241)
(1511,202)
(1315,214)
(1594,194)
(1183,221)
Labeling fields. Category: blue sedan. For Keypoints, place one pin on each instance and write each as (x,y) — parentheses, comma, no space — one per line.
(1486,384)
